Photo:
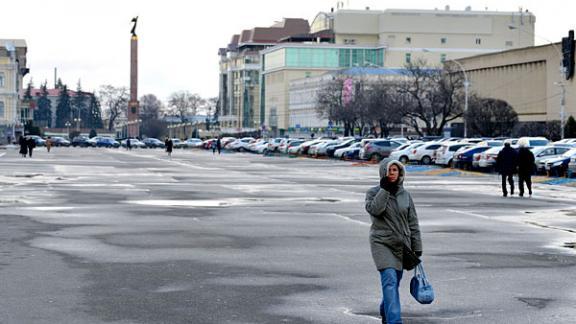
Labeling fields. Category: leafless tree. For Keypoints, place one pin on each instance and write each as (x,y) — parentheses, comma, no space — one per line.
(431,97)
(115,102)
(382,106)
(184,103)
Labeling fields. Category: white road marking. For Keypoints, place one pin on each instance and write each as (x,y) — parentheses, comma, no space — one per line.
(2,154)
(348,219)
(469,213)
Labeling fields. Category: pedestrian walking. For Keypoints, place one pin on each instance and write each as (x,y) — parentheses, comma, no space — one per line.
(506,164)
(525,167)
(219,145)
(394,232)
(169,145)
(31,145)
(128,145)
(23,146)
(213,146)
(48,144)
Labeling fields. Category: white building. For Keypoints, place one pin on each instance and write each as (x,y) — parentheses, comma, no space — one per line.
(12,70)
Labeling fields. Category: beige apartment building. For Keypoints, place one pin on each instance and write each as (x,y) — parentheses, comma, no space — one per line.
(433,35)
(13,113)
(390,39)
(530,79)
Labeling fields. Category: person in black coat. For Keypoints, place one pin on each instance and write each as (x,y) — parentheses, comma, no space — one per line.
(23,146)
(525,168)
(506,164)
(219,145)
(31,145)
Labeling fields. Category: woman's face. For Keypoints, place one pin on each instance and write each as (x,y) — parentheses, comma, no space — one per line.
(393,173)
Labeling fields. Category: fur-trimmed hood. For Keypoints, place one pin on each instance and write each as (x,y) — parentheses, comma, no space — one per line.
(385,166)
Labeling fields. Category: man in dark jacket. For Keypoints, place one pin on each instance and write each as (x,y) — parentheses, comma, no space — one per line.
(506,163)
(525,168)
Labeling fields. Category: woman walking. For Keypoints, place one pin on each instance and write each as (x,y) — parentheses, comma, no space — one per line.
(23,146)
(394,229)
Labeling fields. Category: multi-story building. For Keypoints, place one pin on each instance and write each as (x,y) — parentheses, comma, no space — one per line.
(303,95)
(13,112)
(529,79)
(53,95)
(434,35)
(389,38)
(240,73)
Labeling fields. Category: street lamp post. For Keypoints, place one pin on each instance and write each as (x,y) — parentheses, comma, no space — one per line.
(68,124)
(466,86)
(77,121)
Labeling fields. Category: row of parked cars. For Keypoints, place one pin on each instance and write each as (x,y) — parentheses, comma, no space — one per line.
(558,158)
(109,142)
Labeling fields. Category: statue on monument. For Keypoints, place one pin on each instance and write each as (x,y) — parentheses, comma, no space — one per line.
(135,21)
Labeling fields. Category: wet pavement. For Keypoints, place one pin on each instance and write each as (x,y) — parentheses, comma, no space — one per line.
(115,236)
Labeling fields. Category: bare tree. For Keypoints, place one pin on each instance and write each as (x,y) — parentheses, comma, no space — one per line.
(184,103)
(115,101)
(431,97)
(330,105)
(491,117)
(382,106)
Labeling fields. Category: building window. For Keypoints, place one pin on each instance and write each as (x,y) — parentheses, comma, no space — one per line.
(1,79)
(408,58)
(350,41)
(509,43)
(408,40)
(478,41)
(442,58)
(1,109)
(443,40)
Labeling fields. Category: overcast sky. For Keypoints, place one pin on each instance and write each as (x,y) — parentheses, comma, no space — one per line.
(179,40)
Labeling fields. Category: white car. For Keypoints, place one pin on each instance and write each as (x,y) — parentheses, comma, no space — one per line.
(274,143)
(134,143)
(402,153)
(425,153)
(240,144)
(445,153)
(194,143)
(350,151)
(542,153)
(322,147)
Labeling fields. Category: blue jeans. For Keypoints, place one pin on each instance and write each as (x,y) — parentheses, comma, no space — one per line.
(390,306)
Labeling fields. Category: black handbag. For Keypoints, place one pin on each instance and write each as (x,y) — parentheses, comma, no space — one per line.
(409,259)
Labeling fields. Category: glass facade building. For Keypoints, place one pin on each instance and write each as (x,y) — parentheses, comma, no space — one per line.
(323,58)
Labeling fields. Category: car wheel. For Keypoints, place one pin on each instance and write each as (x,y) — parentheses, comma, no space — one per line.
(404,159)
(426,160)
(451,164)
(375,157)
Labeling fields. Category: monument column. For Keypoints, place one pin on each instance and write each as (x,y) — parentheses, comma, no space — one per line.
(133,104)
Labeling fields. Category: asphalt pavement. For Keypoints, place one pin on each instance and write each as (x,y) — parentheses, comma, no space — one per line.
(117,236)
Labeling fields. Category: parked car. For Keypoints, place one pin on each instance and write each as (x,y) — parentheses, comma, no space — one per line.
(463,157)
(283,147)
(81,141)
(558,166)
(93,141)
(107,142)
(294,147)
(240,144)
(194,143)
(378,149)
(177,143)
(444,154)
(425,154)
(151,142)
(304,147)
(349,153)
(134,143)
(320,149)
(60,141)
(542,153)
(403,152)
(274,143)
(331,150)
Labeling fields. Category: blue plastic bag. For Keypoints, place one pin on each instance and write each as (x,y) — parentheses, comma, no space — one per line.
(420,288)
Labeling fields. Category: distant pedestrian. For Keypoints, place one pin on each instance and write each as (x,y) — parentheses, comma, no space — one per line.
(506,164)
(213,146)
(525,167)
(48,144)
(394,232)
(31,145)
(128,145)
(219,145)
(23,146)
(169,145)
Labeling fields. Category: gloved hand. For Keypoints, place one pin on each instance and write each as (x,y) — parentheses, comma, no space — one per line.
(391,187)
(384,183)
(418,253)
